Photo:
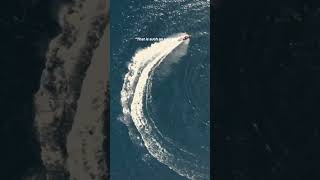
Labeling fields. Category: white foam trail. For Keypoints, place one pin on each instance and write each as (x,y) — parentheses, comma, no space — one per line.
(136,83)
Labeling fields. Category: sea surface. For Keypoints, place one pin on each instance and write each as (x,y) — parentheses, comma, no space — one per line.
(160,105)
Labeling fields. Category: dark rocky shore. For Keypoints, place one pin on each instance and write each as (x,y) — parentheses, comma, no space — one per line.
(27,29)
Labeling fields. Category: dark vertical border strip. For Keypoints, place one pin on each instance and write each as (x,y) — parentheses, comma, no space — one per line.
(237,37)
(212,20)
(224,27)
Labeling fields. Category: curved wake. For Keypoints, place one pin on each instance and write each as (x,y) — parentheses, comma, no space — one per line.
(136,88)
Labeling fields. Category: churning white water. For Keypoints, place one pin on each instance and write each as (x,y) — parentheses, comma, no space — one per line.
(136,88)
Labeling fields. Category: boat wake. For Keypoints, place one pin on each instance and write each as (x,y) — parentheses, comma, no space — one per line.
(136,90)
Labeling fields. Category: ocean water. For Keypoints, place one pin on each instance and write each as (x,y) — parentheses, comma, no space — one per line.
(160,109)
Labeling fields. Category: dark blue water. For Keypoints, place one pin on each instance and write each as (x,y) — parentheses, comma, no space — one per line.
(180,96)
